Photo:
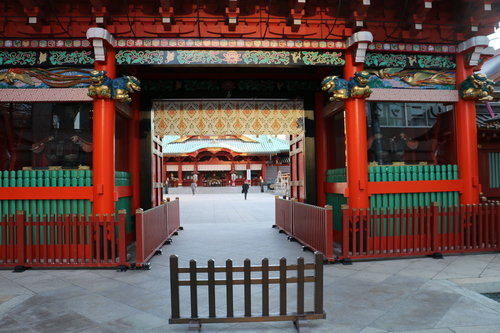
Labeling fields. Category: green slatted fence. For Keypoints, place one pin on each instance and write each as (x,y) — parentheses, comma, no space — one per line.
(124,179)
(494,161)
(57,178)
(34,179)
(387,202)
(392,200)
(336,200)
(45,178)
(413,173)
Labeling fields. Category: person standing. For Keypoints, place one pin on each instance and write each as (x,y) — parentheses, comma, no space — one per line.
(245,189)
(193,187)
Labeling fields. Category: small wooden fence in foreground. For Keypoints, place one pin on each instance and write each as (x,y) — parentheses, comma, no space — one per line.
(309,225)
(300,316)
(154,228)
(400,232)
(62,241)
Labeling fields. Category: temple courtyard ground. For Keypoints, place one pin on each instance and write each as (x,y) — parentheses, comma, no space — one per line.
(404,295)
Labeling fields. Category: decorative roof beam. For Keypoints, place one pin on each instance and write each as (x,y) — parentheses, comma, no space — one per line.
(98,36)
(295,18)
(298,6)
(487,53)
(358,19)
(482,9)
(101,16)
(416,26)
(359,11)
(473,25)
(419,17)
(100,12)
(189,8)
(232,13)
(296,14)
(34,14)
(97,4)
(362,7)
(487,5)
(423,8)
(476,46)
(232,5)
(360,41)
(166,11)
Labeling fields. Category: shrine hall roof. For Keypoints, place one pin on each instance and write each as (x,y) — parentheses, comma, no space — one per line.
(249,144)
(485,120)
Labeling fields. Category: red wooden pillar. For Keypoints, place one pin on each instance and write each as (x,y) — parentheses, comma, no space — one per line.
(294,166)
(321,149)
(466,122)
(179,171)
(248,175)
(103,158)
(300,172)
(356,137)
(135,155)
(195,173)
(233,173)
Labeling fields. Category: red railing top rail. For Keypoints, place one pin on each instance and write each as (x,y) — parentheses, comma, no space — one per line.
(486,204)
(163,203)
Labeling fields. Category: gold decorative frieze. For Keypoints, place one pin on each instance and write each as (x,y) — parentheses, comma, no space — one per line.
(222,117)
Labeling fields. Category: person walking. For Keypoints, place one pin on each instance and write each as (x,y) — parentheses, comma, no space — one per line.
(245,189)
(193,187)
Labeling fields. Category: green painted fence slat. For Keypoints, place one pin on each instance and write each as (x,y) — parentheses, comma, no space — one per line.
(46,178)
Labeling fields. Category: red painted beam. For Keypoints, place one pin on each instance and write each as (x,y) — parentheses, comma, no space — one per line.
(254,19)
(123,191)
(424,186)
(337,188)
(46,193)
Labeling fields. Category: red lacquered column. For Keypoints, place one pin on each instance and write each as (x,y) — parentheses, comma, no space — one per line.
(465,118)
(356,146)
(103,158)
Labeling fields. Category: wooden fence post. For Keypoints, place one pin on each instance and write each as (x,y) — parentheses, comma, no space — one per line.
(21,236)
(329,231)
(318,287)
(282,286)
(345,230)
(174,286)
(247,287)
(435,226)
(229,288)
(139,229)
(122,233)
(193,286)
(265,287)
(211,288)
(300,285)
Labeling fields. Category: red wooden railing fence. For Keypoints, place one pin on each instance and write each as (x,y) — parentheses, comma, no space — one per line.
(154,227)
(173,217)
(399,232)
(312,226)
(284,215)
(62,240)
(309,225)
